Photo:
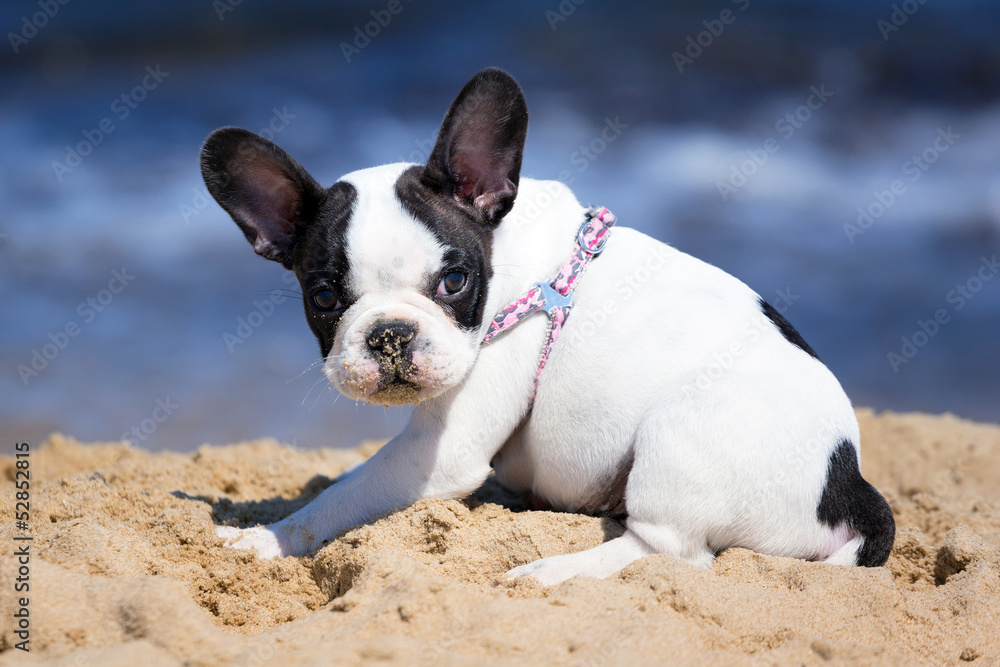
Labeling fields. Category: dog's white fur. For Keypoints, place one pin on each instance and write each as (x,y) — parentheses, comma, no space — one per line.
(729,424)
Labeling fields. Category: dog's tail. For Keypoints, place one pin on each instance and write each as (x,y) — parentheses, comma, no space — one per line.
(851,502)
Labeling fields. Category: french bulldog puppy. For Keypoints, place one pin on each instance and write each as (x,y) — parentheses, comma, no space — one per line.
(652,387)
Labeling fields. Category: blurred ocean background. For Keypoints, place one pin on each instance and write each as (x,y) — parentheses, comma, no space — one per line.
(806,112)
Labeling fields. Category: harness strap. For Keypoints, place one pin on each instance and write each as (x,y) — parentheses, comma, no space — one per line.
(556,297)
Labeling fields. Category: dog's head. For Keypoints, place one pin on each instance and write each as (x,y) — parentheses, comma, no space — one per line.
(394,261)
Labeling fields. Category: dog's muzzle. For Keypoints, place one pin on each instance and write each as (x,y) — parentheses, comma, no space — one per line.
(389,342)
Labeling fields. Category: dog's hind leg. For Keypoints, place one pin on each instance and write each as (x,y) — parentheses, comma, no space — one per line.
(686,471)
(597,563)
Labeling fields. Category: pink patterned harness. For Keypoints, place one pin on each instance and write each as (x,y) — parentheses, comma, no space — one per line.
(556,297)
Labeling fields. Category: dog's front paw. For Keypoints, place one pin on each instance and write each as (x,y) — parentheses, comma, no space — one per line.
(260,540)
(547,571)
(228,533)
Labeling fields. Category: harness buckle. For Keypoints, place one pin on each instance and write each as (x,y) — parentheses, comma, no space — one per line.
(594,252)
(553,298)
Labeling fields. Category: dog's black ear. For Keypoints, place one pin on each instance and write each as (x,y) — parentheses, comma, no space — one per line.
(477,157)
(269,195)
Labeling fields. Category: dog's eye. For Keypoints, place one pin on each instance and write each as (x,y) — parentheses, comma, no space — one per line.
(326,300)
(452,283)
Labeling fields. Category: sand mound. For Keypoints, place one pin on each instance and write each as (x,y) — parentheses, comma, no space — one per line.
(126,570)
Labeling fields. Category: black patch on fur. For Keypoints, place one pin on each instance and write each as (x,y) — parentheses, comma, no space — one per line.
(320,261)
(469,243)
(786,329)
(850,500)
(285,215)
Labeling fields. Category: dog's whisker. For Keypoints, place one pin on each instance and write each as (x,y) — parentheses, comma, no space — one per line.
(321,394)
(306,397)
(304,371)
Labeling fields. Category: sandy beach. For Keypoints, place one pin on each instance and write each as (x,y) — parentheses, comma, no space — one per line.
(125,569)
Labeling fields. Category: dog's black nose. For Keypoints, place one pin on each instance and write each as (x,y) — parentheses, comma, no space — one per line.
(391,338)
